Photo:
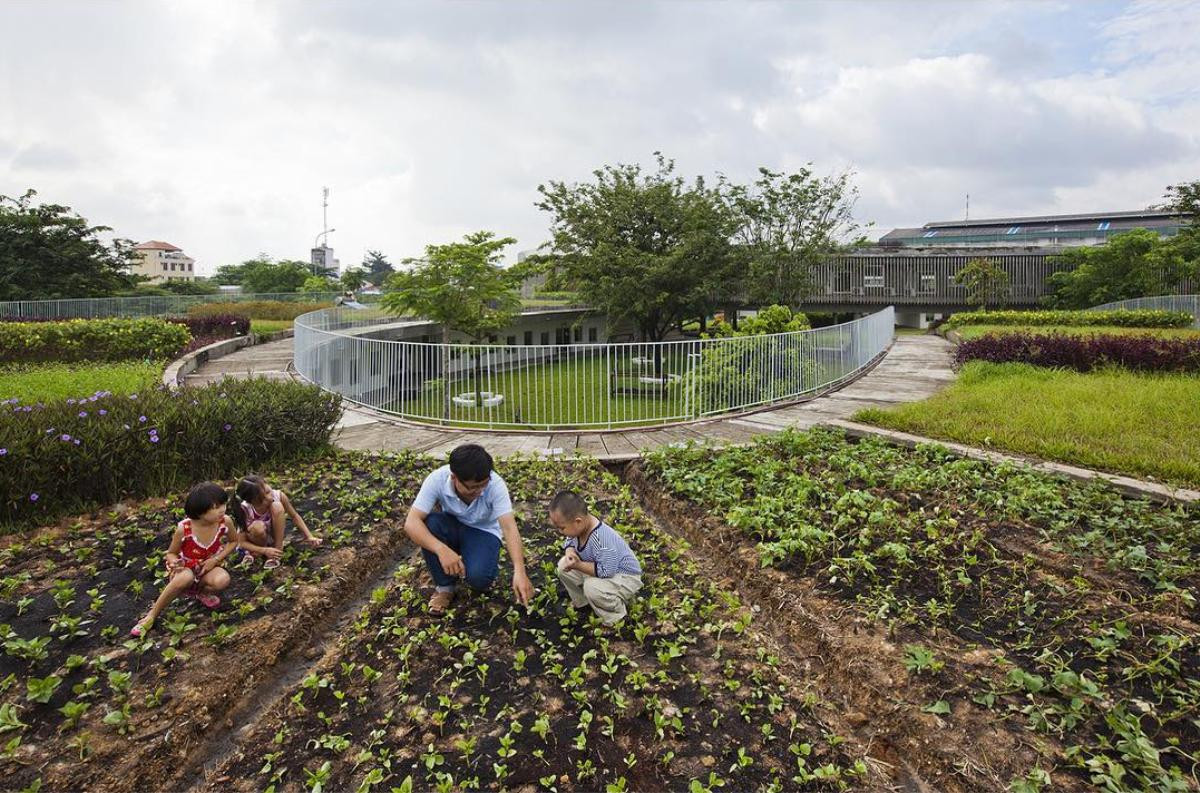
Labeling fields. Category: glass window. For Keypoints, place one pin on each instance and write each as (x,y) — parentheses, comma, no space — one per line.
(529,337)
(591,334)
(545,337)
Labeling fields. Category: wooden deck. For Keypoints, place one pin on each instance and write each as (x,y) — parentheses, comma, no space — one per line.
(914,368)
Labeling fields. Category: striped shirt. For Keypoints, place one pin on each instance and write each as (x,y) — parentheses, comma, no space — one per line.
(607,550)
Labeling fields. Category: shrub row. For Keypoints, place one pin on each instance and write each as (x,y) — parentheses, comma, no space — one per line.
(215,326)
(257,309)
(91,340)
(72,454)
(1141,318)
(1083,353)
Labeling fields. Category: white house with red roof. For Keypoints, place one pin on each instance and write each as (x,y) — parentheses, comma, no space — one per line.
(162,261)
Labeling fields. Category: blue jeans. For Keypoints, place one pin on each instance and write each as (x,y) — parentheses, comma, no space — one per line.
(480,551)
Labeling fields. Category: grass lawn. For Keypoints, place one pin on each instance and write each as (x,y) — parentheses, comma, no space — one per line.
(33,383)
(269,325)
(1137,424)
(975,331)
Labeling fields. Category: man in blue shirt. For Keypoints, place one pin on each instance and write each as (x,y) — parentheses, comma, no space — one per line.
(463,539)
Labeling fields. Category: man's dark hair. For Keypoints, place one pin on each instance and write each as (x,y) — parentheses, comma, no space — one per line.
(569,505)
(471,463)
(203,497)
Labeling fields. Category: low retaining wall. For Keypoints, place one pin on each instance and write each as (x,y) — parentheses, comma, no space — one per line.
(181,367)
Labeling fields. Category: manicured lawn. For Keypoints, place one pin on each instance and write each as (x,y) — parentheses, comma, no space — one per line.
(975,331)
(269,325)
(60,380)
(1138,424)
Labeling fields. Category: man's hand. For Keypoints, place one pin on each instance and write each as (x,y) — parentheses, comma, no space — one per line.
(452,563)
(522,588)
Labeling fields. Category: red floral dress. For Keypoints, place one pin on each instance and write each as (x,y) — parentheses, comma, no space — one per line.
(192,554)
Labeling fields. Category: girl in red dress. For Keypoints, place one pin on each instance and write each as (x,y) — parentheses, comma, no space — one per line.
(199,546)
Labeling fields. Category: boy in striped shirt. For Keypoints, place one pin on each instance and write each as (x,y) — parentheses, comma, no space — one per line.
(597,568)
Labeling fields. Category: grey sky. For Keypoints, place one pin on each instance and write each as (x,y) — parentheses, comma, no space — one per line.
(213,125)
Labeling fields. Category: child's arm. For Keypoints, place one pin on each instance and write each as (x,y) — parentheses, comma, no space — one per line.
(295,516)
(227,547)
(174,549)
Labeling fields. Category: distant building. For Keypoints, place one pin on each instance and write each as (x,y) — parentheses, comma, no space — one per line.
(322,260)
(162,261)
(1044,231)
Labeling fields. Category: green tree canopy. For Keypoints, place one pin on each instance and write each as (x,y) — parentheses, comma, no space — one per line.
(354,278)
(786,224)
(986,282)
(645,247)
(1138,263)
(262,275)
(315,284)
(377,267)
(49,252)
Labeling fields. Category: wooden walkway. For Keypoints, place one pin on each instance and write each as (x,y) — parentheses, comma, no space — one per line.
(914,368)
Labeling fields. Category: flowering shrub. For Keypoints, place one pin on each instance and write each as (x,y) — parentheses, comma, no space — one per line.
(1141,318)
(257,309)
(1083,353)
(215,326)
(73,453)
(91,340)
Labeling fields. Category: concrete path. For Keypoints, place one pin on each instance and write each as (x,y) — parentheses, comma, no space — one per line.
(915,367)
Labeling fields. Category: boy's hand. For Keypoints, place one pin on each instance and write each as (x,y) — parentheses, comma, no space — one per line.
(571,557)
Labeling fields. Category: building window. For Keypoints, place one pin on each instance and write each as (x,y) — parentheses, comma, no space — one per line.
(528,337)
(578,334)
(928,283)
(1013,230)
(1103,225)
(164,267)
(511,341)
(930,234)
(591,334)
(545,337)
(189,267)
(873,276)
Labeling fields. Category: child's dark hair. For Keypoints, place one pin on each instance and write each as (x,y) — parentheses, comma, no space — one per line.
(249,489)
(202,498)
(471,463)
(569,505)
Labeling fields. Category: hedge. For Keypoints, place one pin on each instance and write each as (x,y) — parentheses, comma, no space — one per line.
(257,309)
(1083,353)
(215,326)
(73,454)
(1141,318)
(91,340)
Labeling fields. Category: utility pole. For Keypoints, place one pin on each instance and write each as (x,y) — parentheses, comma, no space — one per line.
(968,215)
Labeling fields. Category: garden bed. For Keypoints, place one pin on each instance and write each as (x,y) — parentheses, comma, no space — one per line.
(125,711)
(993,625)
(686,694)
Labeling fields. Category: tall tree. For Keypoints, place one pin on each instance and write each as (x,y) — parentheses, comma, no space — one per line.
(377,267)
(644,247)
(48,251)
(986,282)
(463,287)
(262,275)
(786,224)
(1138,263)
(1184,198)
(353,279)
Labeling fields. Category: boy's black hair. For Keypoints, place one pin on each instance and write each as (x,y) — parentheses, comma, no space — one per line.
(248,489)
(203,497)
(471,463)
(569,505)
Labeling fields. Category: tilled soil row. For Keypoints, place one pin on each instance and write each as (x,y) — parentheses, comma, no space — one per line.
(854,664)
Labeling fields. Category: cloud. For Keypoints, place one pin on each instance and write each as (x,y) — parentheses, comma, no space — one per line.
(215,125)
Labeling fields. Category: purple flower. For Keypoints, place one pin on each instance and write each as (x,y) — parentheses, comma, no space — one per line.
(83,414)
(76,441)
(70,401)
(34,496)
(133,396)
(3,452)
(103,412)
(142,419)
(154,439)
(28,408)
(50,430)
(65,437)
(228,427)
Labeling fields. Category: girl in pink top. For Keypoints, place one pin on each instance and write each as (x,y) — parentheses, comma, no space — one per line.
(262,516)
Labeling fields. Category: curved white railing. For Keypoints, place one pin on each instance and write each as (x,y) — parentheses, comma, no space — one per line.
(575,386)
(1189,304)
